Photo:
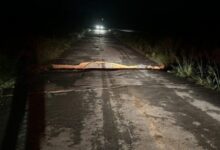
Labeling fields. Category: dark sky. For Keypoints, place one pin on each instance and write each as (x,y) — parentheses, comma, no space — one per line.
(163,14)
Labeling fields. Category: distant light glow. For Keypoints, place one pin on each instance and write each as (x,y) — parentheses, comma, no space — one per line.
(99,31)
(99,27)
(127,30)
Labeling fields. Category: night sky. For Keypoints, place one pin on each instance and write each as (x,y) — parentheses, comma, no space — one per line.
(42,15)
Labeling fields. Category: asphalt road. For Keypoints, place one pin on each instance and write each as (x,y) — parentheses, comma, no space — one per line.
(119,109)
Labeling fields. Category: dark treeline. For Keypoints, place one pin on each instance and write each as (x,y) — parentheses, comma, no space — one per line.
(23,21)
(193,21)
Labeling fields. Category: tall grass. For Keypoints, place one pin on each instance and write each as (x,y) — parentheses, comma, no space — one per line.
(182,61)
(202,72)
(184,67)
(208,74)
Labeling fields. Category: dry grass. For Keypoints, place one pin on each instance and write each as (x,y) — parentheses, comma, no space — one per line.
(179,60)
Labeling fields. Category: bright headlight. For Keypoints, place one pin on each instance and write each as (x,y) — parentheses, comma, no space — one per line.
(99,27)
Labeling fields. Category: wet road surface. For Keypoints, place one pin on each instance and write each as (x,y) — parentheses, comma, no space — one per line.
(121,109)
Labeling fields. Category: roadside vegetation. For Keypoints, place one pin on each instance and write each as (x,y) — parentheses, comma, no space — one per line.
(7,73)
(199,63)
(47,49)
(50,48)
